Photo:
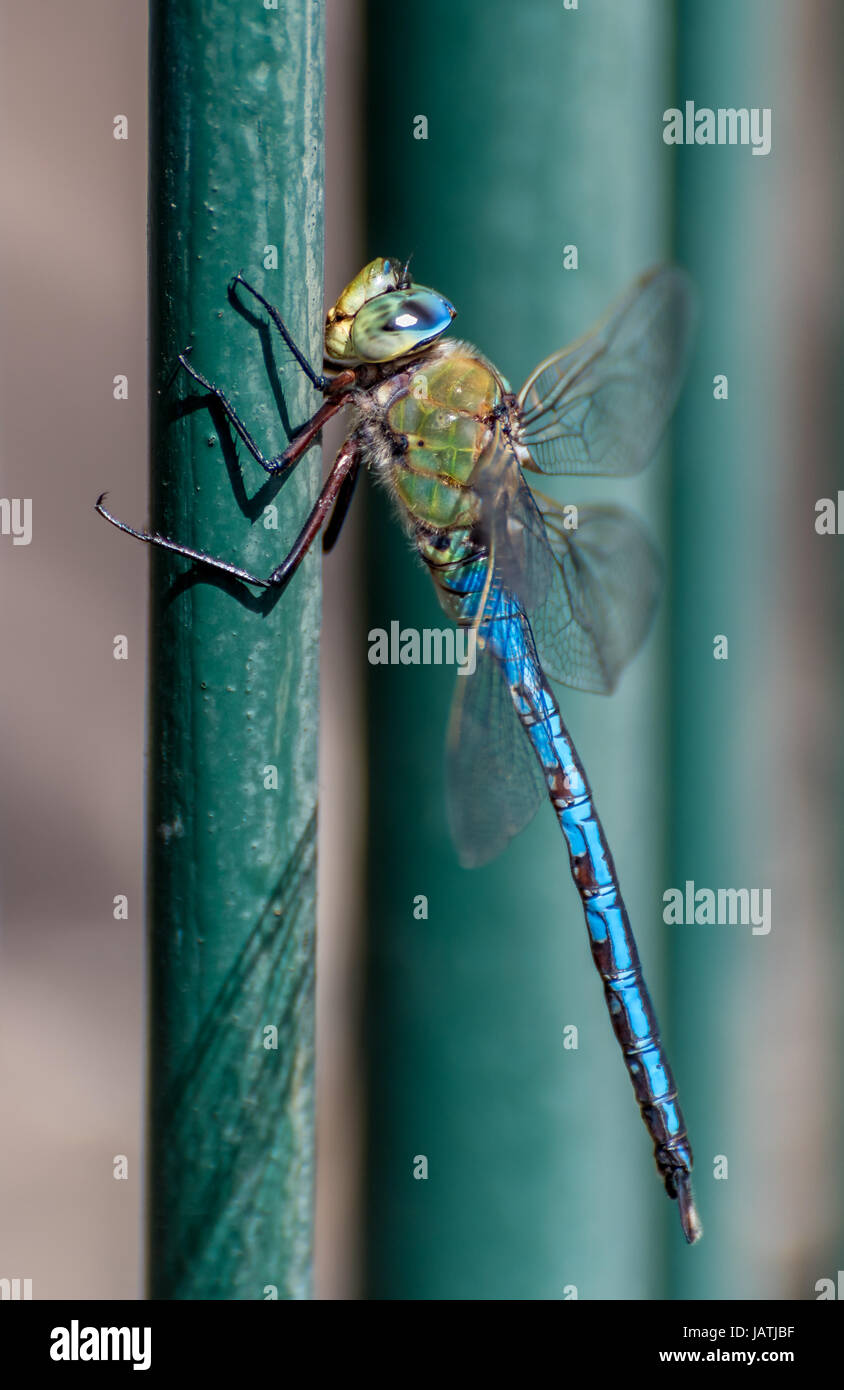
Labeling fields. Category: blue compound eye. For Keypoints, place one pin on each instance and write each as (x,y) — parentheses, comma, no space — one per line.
(399,322)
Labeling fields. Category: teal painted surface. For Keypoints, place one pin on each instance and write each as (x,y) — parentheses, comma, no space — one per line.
(751,804)
(236,166)
(723,528)
(544,129)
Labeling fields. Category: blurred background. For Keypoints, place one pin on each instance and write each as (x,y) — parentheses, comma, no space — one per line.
(444,1037)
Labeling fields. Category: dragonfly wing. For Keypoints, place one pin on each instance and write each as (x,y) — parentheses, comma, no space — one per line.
(512,526)
(494,782)
(600,605)
(590,592)
(601,405)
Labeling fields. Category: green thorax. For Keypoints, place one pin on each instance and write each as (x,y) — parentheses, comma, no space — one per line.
(444,412)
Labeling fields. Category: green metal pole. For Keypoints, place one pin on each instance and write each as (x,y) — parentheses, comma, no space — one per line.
(236,163)
(543,130)
(742,564)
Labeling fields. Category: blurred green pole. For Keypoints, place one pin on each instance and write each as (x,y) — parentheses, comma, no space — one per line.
(728,759)
(236,170)
(544,129)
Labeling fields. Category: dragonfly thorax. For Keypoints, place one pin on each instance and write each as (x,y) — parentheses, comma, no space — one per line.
(426,430)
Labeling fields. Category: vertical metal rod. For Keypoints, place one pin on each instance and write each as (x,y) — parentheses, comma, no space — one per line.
(236,182)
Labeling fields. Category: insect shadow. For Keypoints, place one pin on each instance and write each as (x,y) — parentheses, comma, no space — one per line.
(250,507)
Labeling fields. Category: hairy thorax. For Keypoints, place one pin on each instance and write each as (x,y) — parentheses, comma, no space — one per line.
(426,426)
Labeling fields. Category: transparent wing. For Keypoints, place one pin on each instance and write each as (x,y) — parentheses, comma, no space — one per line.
(601,405)
(600,604)
(590,593)
(494,782)
(512,526)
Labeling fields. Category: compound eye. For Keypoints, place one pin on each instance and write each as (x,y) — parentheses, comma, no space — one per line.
(400,322)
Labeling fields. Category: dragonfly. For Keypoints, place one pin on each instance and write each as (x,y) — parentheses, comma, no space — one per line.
(548,601)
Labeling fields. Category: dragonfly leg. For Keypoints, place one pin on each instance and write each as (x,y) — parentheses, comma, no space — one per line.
(281,463)
(346,462)
(341,506)
(343,474)
(319,383)
(303,440)
(164,543)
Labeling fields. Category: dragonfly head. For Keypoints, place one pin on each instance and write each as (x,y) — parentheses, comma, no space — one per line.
(382,315)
